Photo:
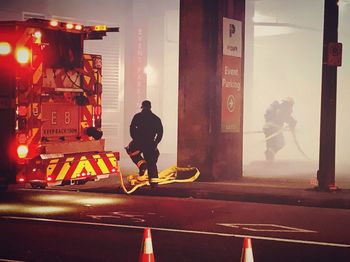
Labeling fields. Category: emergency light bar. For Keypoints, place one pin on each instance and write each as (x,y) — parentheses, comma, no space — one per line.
(71,27)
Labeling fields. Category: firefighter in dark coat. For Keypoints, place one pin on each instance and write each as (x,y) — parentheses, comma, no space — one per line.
(277,116)
(146,130)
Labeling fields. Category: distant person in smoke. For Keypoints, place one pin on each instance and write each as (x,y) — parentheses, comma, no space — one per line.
(146,131)
(278,116)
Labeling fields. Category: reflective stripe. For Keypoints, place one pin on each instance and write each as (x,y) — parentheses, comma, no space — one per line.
(38,74)
(84,164)
(113,161)
(68,168)
(135,153)
(148,248)
(102,166)
(51,167)
(140,163)
(64,170)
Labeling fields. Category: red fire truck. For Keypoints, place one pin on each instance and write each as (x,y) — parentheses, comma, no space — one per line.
(50,105)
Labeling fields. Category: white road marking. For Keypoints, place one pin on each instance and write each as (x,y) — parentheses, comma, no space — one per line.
(178,231)
(267,228)
(136,217)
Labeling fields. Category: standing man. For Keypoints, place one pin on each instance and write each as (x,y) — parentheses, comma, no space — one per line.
(276,117)
(146,131)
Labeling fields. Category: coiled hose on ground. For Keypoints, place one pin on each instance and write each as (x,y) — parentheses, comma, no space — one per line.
(167,176)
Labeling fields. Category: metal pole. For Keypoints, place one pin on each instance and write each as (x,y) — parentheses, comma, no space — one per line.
(326,172)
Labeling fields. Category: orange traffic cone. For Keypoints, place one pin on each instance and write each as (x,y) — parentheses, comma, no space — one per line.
(146,254)
(247,251)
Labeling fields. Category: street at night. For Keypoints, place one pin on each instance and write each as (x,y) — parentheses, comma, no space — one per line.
(60,225)
(174,130)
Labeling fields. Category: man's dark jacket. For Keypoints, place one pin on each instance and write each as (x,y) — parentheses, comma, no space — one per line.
(146,129)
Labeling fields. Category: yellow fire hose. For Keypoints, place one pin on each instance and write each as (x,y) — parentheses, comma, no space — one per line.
(166,176)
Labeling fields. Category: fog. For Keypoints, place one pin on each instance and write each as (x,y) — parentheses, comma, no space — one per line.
(283,58)
(286,61)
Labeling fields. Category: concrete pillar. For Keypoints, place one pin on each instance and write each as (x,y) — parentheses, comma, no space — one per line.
(326,173)
(205,140)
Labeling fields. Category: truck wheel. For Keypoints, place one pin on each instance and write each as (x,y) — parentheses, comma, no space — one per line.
(38,185)
(43,186)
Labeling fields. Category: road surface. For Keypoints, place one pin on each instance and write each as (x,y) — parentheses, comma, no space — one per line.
(58,225)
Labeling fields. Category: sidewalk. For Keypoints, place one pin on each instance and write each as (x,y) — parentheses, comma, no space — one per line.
(260,190)
(290,189)
(271,192)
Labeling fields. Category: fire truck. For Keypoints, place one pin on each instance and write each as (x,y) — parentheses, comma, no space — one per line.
(50,105)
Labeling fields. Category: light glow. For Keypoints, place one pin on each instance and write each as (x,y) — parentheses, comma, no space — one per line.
(21,110)
(20,179)
(5,48)
(22,55)
(96,201)
(69,26)
(22,151)
(73,199)
(53,23)
(46,209)
(78,27)
(37,36)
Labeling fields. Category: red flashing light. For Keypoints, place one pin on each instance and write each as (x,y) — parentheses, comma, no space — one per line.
(5,48)
(22,151)
(20,178)
(113,170)
(22,110)
(48,179)
(53,23)
(22,55)
(69,26)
